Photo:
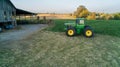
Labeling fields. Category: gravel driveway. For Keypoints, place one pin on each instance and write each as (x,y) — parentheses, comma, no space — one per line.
(25,31)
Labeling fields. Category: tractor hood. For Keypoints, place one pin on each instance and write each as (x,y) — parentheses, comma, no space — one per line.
(72,24)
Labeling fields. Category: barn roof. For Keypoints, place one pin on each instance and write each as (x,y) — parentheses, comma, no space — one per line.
(11,3)
(20,11)
(23,12)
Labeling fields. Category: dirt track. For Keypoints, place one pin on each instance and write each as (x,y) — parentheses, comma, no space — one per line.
(13,35)
(55,49)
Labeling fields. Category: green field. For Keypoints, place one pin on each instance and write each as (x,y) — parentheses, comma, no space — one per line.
(106,27)
(50,47)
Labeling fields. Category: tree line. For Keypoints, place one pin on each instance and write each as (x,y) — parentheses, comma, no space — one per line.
(83,12)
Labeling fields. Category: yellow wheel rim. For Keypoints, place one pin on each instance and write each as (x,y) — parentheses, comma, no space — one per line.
(88,33)
(70,32)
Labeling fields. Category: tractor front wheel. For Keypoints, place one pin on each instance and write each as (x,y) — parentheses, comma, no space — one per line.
(88,32)
(70,32)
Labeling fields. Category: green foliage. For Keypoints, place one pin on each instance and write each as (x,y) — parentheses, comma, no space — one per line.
(81,12)
(91,16)
(106,27)
(117,16)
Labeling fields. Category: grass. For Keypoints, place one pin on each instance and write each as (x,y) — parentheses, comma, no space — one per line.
(54,49)
(106,27)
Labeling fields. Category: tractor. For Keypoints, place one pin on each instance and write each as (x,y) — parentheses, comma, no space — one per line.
(78,27)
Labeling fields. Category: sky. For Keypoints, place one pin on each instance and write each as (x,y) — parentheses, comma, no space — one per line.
(67,6)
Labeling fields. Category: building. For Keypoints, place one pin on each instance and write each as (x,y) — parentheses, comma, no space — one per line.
(7,13)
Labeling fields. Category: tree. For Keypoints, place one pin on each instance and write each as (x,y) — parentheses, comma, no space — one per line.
(117,16)
(91,16)
(81,12)
(109,17)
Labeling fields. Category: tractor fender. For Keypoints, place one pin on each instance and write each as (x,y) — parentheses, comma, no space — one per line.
(87,27)
(69,26)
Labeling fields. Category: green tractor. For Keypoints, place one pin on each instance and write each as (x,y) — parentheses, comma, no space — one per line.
(78,27)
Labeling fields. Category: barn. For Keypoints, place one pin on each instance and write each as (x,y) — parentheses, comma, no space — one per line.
(8,14)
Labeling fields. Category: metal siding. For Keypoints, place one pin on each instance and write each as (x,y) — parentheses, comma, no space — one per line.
(5,6)
(1,16)
(1,11)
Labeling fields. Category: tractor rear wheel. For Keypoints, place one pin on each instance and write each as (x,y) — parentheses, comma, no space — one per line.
(70,32)
(88,32)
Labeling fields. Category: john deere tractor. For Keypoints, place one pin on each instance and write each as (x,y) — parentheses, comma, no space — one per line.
(78,27)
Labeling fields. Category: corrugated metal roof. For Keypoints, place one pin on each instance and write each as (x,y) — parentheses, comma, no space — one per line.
(23,12)
(20,11)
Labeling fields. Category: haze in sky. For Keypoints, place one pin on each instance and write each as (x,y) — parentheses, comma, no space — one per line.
(67,6)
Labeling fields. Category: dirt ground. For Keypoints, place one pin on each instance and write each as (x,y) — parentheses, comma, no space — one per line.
(23,32)
(33,47)
(55,49)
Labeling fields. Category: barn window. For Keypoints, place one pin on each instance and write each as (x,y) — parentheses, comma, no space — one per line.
(10,14)
(5,15)
(13,15)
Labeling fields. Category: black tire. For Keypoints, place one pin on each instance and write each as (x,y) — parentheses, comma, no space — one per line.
(70,32)
(88,32)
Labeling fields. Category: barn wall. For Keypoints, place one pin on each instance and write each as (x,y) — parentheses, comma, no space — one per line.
(7,11)
(1,11)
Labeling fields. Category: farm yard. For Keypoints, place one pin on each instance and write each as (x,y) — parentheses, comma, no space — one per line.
(50,47)
(38,35)
(19,33)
